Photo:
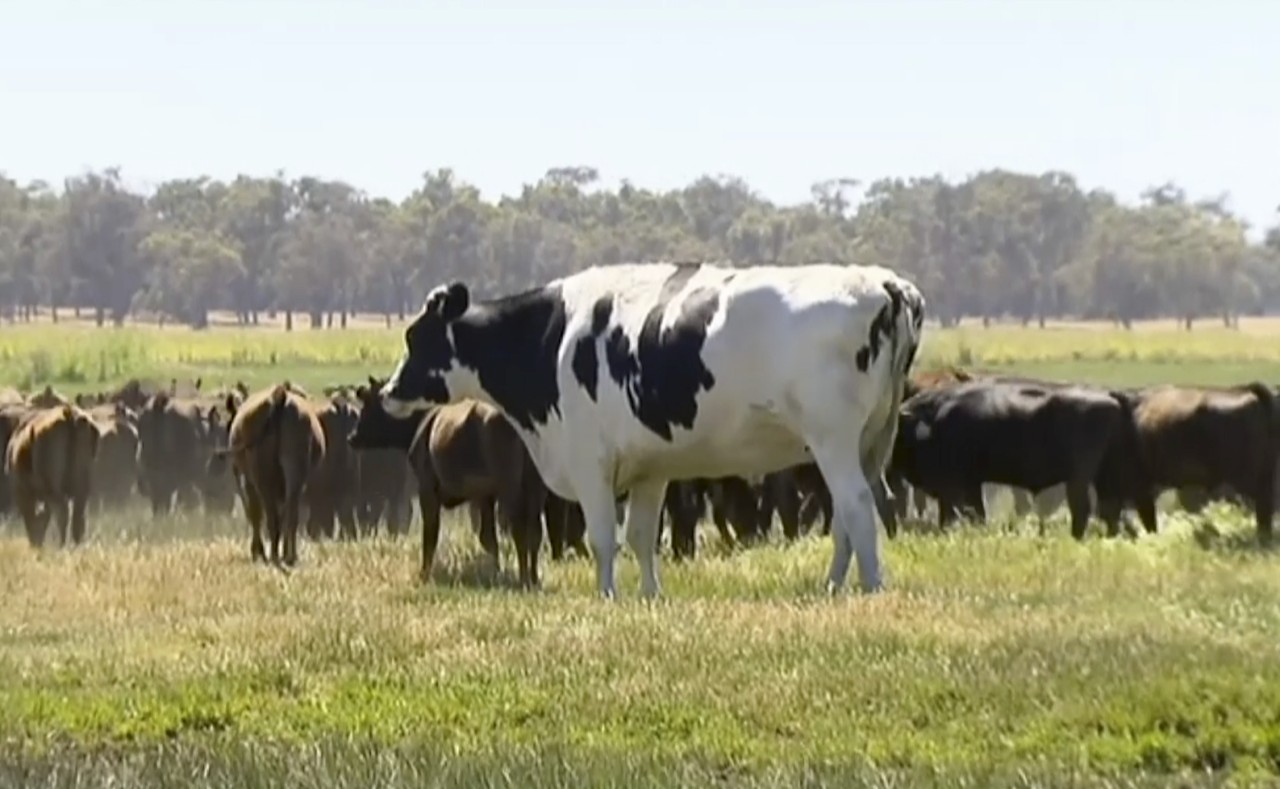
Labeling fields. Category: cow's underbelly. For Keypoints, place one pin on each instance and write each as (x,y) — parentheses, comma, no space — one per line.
(728,439)
(755,443)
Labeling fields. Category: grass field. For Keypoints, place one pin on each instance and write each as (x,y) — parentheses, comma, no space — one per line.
(158,655)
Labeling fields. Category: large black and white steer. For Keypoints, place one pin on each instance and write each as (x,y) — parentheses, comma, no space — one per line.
(620,378)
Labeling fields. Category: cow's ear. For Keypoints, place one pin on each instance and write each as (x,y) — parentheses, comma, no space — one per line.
(456,301)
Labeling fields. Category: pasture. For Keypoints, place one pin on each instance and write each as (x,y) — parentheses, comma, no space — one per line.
(159,655)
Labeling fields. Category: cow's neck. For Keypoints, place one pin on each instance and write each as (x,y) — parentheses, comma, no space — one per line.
(506,352)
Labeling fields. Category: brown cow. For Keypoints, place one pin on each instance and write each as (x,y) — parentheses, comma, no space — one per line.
(566,527)
(463,452)
(799,495)
(135,392)
(382,482)
(1194,437)
(49,461)
(12,414)
(173,451)
(331,490)
(115,468)
(275,441)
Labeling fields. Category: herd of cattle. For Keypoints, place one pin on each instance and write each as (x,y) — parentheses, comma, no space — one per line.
(341,467)
(760,391)
(337,466)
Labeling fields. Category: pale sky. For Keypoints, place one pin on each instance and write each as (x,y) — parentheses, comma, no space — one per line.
(1123,93)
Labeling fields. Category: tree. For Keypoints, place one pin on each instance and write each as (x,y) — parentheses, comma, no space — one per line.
(997,244)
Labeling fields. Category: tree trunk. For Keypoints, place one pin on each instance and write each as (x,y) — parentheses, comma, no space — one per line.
(387,317)
(99,315)
(317,319)
(1187,322)
(342,321)
(288,320)
(53,312)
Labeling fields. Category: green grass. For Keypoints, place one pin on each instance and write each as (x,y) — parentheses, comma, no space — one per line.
(159,652)
(75,357)
(158,655)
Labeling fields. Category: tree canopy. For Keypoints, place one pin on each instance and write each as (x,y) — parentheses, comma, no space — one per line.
(998,245)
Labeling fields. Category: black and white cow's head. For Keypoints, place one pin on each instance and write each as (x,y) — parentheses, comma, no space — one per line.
(422,378)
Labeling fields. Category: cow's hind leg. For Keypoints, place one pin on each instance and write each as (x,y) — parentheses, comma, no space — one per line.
(483,518)
(61,509)
(34,518)
(79,503)
(854,533)
(253,510)
(642,531)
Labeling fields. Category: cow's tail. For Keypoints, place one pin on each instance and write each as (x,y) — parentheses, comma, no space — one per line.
(907,330)
(906,307)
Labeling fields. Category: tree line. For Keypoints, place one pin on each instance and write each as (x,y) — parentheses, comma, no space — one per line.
(998,245)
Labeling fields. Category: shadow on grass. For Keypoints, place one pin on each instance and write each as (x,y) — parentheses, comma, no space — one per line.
(1209,537)
(476,571)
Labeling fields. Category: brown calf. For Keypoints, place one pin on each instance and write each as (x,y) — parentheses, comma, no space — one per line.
(463,452)
(275,441)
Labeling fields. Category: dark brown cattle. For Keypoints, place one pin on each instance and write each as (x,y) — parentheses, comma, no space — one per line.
(275,442)
(734,503)
(115,468)
(135,393)
(684,504)
(174,448)
(384,487)
(566,527)
(218,491)
(1195,437)
(382,482)
(743,511)
(799,495)
(463,452)
(49,462)
(12,413)
(331,490)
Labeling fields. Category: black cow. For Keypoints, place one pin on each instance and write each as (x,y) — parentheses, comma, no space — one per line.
(1026,434)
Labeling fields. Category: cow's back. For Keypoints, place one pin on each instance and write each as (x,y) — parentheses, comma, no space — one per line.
(1026,434)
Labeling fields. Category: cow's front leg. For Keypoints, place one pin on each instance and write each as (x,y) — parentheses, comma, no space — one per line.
(599,511)
(642,531)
